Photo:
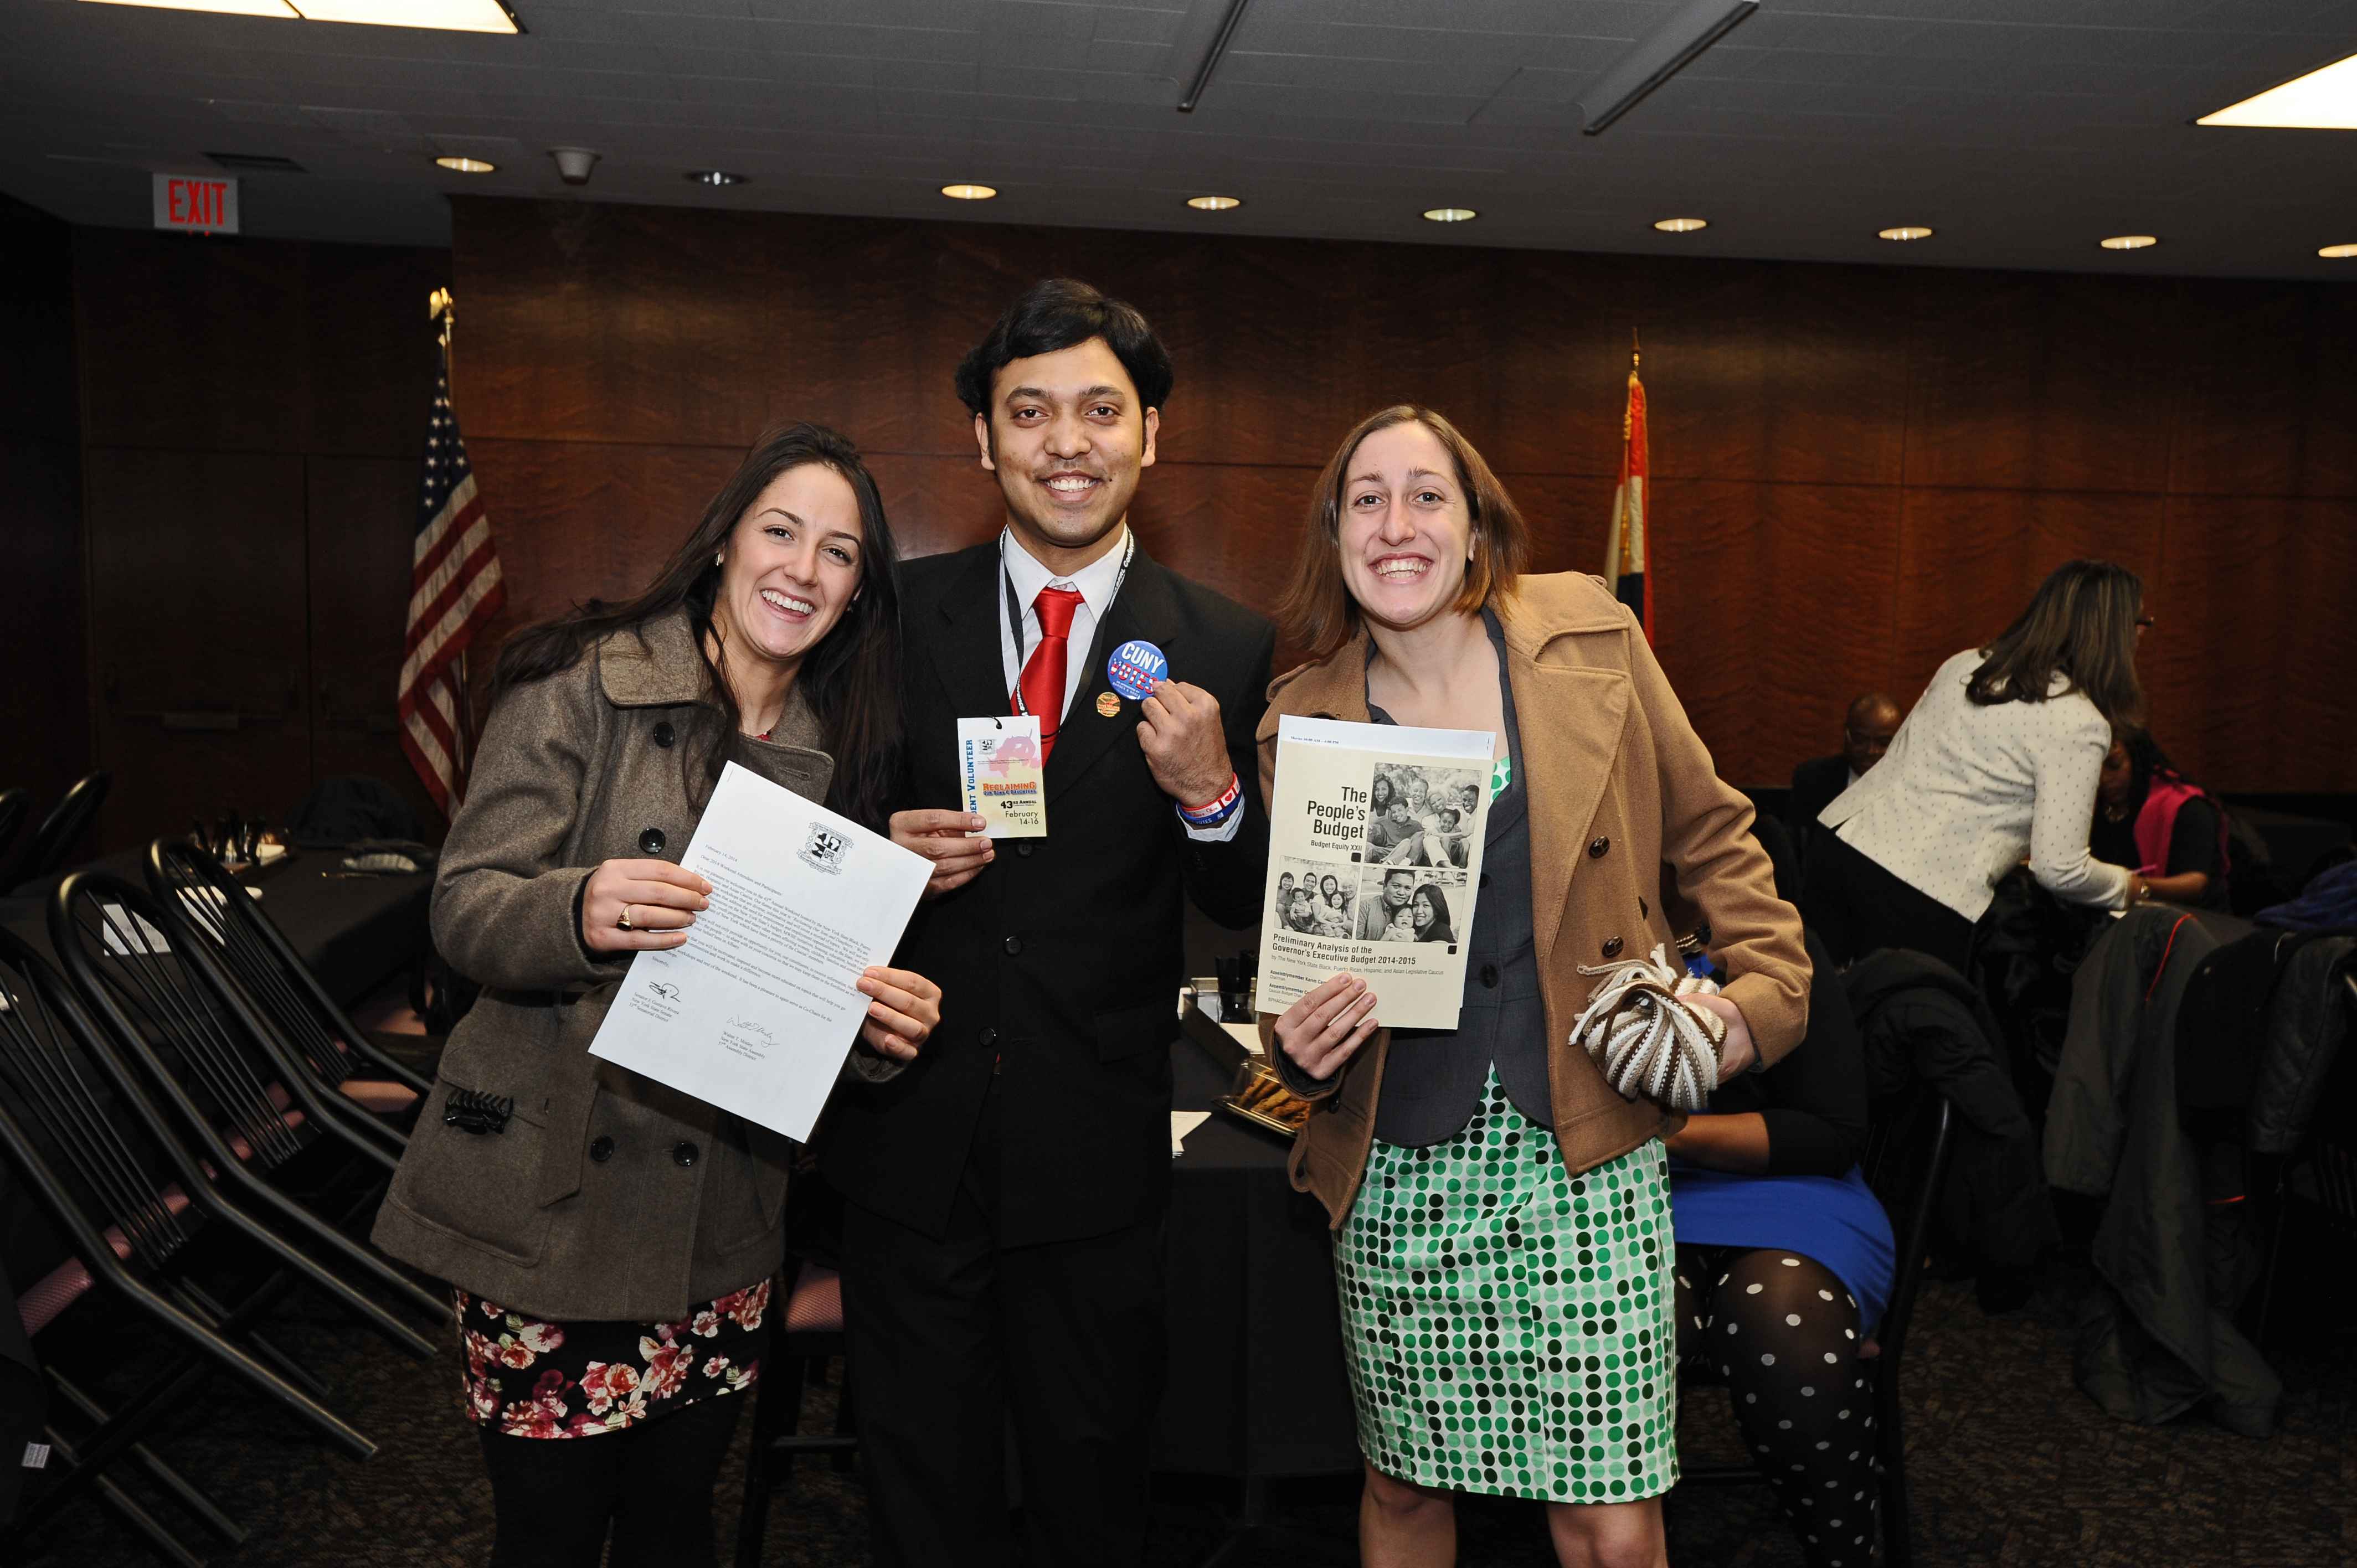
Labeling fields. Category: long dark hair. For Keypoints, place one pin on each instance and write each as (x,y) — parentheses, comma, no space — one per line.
(1438,931)
(2082,624)
(851,680)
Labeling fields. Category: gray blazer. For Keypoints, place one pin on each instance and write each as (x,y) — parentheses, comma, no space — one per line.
(606,1197)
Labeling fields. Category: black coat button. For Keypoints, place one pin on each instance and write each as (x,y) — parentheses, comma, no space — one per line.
(1490,975)
(601,1148)
(685,1155)
(665,734)
(1024,847)
(1014,945)
(652,841)
(1485,879)
(1595,848)
(1612,946)
(989,1039)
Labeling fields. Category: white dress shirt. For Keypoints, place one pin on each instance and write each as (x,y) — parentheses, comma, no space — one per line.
(1965,791)
(1096,583)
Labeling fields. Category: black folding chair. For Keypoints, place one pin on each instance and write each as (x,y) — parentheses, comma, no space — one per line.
(140,1214)
(215,910)
(296,1154)
(1906,1157)
(47,848)
(14,804)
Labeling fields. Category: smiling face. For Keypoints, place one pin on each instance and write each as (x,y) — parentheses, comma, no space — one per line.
(1397,885)
(1067,440)
(1406,527)
(2118,777)
(790,566)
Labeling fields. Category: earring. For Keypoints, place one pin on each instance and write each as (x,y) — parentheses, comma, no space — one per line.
(716,557)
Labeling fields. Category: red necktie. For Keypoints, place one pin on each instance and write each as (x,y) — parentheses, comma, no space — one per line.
(1043,678)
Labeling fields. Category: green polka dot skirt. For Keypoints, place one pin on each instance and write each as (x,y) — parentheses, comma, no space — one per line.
(1510,1324)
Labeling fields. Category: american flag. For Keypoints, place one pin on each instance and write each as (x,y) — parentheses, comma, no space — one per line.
(454,588)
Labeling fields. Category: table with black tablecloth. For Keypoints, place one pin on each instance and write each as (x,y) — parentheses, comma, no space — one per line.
(355,931)
(1257,1388)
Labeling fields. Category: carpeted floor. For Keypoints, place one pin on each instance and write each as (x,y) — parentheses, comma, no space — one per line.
(2008,1464)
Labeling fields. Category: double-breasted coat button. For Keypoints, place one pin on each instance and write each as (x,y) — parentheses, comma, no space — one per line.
(665,734)
(1612,946)
(1485,879)
(1597,846)
(1014,945)
(1024,848)
(989,1039)
(1490,975)
(685,1155)
(601,1148)
(652,841)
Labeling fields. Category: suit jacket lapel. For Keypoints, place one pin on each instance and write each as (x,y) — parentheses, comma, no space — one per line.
(1146,607)
(967,656)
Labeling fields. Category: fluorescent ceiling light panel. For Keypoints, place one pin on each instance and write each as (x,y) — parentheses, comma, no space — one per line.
(2323,100)
(278,9)
(1660,55)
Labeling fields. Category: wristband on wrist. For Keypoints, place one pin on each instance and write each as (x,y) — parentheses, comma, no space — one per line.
(1211,815)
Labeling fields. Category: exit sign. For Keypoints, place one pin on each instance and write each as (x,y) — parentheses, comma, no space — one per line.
(191,204)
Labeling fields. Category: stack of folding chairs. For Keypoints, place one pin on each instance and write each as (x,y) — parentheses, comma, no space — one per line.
(209,1134)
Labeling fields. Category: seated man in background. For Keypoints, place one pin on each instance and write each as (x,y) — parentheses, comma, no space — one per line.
(1866,735)
(2152,818)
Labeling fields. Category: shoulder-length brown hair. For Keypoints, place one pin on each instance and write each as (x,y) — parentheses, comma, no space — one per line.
(1317,610)
(2081,624)
(851,680)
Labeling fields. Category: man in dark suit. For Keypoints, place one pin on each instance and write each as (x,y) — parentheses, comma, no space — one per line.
(1866,735)
(1001,1251)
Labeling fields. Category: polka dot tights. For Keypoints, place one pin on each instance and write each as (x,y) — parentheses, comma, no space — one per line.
(1782,1333)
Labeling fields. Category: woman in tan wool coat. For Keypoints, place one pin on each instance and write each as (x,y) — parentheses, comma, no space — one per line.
(1503,1246)
(609,1240)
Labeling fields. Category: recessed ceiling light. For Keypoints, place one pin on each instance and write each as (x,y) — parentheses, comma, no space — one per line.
(467,166)
(2323,100)
(1451,214)
(714,176)
(2128,241)
(2338,252)
(1682,225)
(1213,203)
(1905,231)
(969,193)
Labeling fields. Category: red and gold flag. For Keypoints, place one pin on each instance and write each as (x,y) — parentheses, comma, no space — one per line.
(1624,550)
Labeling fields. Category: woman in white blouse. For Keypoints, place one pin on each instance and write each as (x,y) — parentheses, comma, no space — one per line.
(2000,760)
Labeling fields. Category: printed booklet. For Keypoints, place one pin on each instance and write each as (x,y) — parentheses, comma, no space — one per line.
(1374,857)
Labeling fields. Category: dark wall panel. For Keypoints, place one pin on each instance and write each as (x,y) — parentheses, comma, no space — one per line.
(254,413)
(45,704)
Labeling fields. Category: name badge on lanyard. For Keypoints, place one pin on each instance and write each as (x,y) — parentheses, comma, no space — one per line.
(1003,777)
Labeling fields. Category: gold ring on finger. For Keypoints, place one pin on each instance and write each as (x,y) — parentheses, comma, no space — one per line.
(623,922)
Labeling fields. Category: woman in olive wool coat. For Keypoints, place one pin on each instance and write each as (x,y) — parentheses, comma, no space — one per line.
(609,1240)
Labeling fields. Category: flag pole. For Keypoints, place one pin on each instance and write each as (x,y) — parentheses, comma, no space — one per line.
(440,307)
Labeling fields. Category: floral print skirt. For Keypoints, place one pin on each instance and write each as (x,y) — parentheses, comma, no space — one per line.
(530,1378)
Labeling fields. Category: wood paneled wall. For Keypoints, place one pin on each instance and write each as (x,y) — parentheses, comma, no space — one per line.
(44,714)
(253,413)
(1858,470)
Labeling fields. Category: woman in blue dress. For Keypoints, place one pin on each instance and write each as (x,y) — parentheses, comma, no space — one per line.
(1785,1260)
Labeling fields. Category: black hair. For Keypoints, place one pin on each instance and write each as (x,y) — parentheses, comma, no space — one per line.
(1055,314)
(851,680)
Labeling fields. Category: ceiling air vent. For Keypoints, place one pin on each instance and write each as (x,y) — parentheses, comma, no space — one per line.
(255,163)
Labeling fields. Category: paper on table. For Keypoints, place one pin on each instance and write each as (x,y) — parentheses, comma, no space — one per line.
(1181,1123)
(755,1012)
(1388,896)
